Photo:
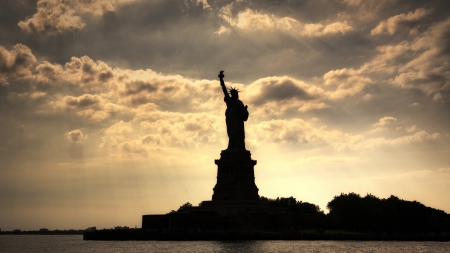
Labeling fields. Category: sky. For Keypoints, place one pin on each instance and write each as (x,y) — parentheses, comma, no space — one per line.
(112,109)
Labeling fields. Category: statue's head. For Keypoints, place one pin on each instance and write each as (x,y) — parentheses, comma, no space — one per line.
(234,92)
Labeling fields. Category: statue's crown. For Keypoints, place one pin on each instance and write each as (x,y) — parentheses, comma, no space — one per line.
(233,89)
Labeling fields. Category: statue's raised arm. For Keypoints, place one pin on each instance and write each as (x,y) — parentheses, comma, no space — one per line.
(222,83)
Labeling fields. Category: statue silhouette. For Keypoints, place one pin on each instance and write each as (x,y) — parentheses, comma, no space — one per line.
(235,115)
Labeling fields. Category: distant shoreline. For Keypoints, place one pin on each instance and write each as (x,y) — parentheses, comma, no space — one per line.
(58,232)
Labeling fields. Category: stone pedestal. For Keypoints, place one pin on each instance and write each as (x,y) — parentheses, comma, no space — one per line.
(235,177)
(235,202)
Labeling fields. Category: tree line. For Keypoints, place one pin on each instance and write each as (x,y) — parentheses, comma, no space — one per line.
(369,213)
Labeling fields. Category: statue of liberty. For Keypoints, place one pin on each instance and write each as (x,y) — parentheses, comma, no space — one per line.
(235,115)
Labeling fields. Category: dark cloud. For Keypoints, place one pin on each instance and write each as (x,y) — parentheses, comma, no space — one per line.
(276,90)
(84,101)
(443,39)
(48,72)
(169,89)
(192,127)
(75,136)
(14,63)
(137,87)
(105,76)
(151,139)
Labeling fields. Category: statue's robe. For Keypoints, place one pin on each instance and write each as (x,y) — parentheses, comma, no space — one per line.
(235,115)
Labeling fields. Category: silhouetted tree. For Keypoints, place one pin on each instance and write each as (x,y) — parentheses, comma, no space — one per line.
(182,208)
(294,206)
(351,211)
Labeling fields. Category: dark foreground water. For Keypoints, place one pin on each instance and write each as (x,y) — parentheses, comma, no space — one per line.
(75,243)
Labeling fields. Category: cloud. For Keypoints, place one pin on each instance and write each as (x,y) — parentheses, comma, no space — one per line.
(172,92)
(140,96)
(48,73)
(281,89)
(190,130)
(100,7)
(348,82)
(52,16)
(410,129)
(427,67)
(161,132)
(88,106)
(389,59)
(89,75)
(137,87)
(133,148)
(223,30)
(138,112)
(75,136)
(57,16)
(121,140)
(82,71)
(95,91)
(280,132)
(430,70)
(363,11)
(284,93)
(38,94)
(27,98)
(332,28)
(420,63)
(305,135)
(116,134)
(385,121)
(15,63)
(252,20)
(412,138)
(83,101)
(383,124)
(400,22)
(204,3)
(301,134)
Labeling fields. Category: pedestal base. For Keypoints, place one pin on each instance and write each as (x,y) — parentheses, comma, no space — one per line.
(235,177)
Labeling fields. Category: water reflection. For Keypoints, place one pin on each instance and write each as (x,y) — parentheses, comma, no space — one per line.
(75,243)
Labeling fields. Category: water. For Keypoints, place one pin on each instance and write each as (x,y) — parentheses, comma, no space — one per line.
(75,243)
